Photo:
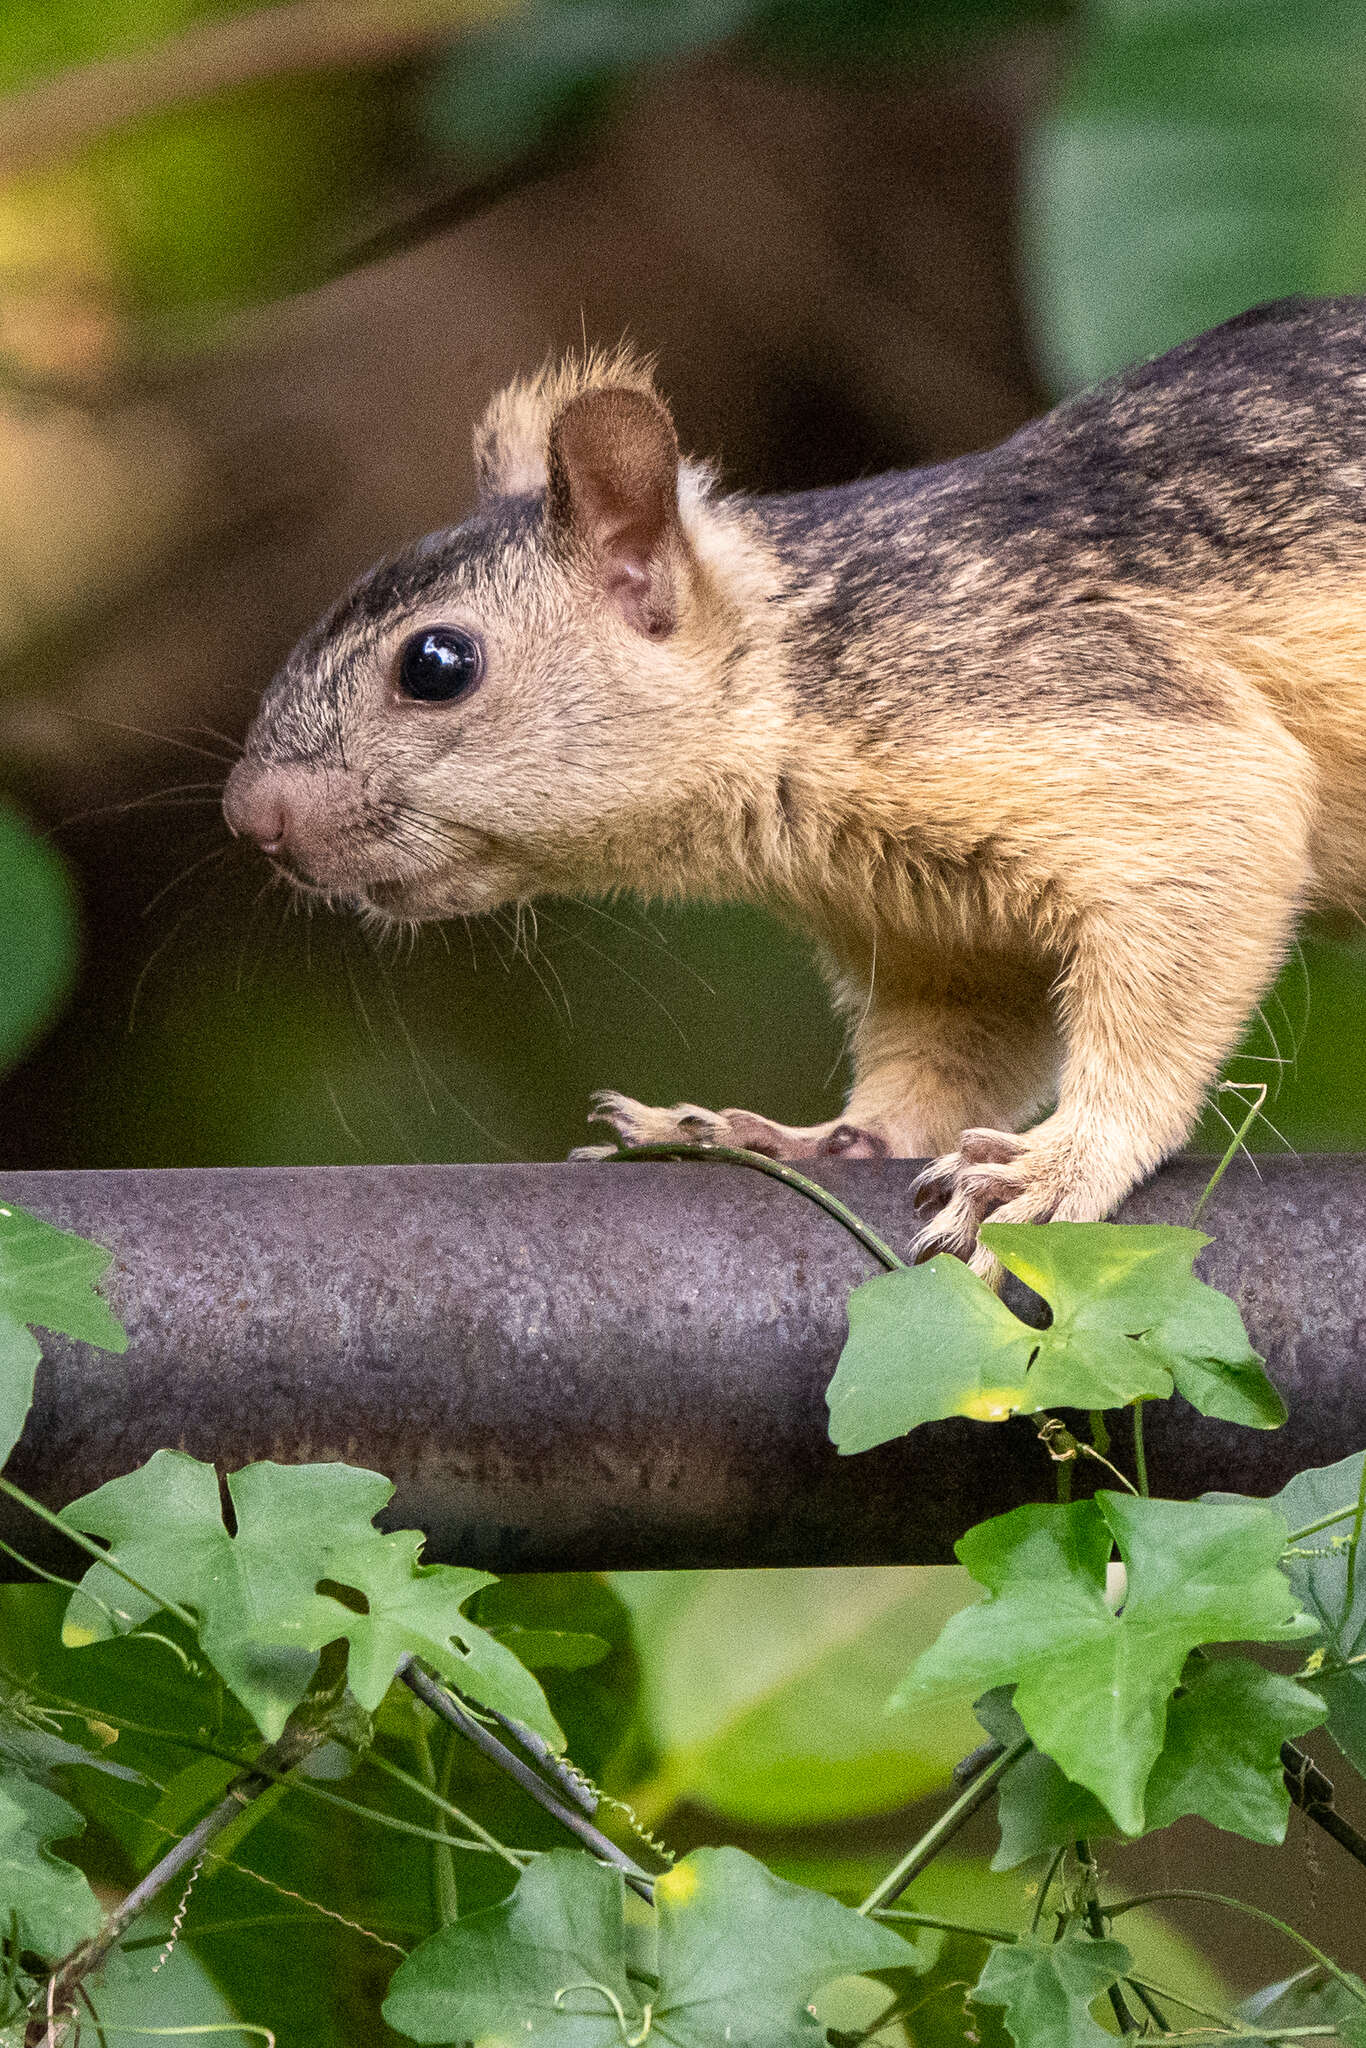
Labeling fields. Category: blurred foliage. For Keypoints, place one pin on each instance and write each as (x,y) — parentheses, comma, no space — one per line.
(560,60)
(212,203)
(37,935)
(1201,159)
(764,1693)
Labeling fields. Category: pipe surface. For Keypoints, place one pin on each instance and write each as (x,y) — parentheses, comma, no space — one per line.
(591,1365)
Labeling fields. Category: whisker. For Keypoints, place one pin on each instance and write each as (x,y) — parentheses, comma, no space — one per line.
(142,732)
(634,979)
(177,796)
(341,1118)
(192,867)
(272,881)
(649,933)
(150,962)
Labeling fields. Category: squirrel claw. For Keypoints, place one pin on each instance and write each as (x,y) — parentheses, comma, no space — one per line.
(686,1124)
(970,1184)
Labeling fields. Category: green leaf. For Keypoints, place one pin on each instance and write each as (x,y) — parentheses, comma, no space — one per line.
(29,1744)
(1130,1321)
(545,1965)
(1203,158)
(1220,1759)
(1320,1582)
(764,1691)
(740,1955)
(47,1276)
(925,1343)
(741,1947)
(1092,1685)
(54,1904)
(305,1568)
(37,934)
(1049,1987)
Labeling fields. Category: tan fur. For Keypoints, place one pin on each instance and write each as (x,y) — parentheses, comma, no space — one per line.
(1051,851)
(512,436)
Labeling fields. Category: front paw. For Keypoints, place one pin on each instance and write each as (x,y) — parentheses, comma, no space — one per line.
(991,1171)
(634,1123)
(736,1129)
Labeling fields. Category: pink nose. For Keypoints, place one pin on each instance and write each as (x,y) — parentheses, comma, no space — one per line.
(255,808)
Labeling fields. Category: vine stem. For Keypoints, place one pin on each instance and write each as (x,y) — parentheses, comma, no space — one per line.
(441,1702)
(1326,1962)
(445,1895)
(776,1169)
(1323,1522)
(88,1543)
(1257,1088)
(305,1786)
(303,1734)
(907,1918)
(1095,1927)
(944,1829)
(1140,1455)
(1354,1543)
(1045,1887)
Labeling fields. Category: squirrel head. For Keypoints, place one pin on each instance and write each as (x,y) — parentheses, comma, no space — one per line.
(483,716)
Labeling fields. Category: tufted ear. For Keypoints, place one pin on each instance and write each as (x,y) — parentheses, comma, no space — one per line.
(613,495)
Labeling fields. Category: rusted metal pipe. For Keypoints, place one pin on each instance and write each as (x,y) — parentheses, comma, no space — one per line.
(571,1367)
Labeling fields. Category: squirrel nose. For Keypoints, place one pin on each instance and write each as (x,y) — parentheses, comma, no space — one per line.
(255,808)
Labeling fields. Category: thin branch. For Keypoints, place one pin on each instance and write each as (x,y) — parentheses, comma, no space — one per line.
(307,1728)
(1313,1793)
(443,1703)
(304,38)
(944,1829)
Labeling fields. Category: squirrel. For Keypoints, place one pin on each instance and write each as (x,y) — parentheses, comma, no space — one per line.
(1048,747)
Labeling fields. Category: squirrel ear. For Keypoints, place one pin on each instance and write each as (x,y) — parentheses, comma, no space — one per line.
(613,491)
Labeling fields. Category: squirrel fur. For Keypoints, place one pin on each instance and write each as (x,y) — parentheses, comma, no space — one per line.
(1049,748)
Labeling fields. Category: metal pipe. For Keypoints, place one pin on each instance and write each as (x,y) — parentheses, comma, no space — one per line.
(574,1367)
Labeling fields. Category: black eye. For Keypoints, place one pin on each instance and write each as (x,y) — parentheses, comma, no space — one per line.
(440,664)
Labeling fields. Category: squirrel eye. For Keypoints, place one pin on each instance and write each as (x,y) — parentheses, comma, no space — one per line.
(439,664)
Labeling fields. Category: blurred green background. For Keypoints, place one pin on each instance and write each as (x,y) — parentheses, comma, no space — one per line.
(261,266)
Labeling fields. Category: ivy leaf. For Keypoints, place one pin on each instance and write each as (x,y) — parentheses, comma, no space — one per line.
(1048,1988)
(544,1965)
(1092,1685)
(1130,1321)
(739,1946)
(1128,1313)
(740,1955)
(54,1904)
(1220,1759)
(304,1569)
(47,1276)
(1320,1581)
(924,1343)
